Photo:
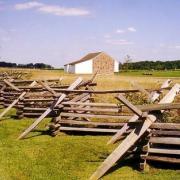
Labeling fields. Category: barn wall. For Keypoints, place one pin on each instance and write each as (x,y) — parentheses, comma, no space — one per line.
(66,68)
(84,67)
(116,66)
(103,64)
(71,69)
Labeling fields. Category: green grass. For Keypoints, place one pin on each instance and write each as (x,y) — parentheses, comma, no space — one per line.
(41,156)
(154,73)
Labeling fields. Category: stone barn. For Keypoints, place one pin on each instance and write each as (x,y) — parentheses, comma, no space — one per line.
(99,62)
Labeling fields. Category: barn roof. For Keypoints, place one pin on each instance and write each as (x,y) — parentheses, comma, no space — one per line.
(85,58)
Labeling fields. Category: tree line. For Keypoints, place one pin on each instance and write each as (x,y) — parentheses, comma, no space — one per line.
(30,65)
(151,65)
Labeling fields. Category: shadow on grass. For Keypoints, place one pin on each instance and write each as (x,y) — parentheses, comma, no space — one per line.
(10,117)
(128,162)
(46,132)
(134,164)
(164,165)
(40,133)
(78,133)
(6,118)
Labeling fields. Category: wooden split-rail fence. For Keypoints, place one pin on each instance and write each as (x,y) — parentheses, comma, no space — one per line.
(73,109)
(31,98)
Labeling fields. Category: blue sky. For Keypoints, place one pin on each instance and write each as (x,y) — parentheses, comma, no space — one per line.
(60,31)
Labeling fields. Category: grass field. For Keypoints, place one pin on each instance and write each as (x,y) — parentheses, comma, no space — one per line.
(41,156)
(154,73)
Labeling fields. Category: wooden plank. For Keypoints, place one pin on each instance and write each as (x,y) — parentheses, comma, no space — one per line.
(54,104)
(11,85)
(77,98)
(169,97)
(164,151)
(165,133)
(97,91)
(41,100)
(11,93)
(165,140)
(16,100)
(46,86)
(157,107)
(155,95)
(113,110)
(118,135)
(91,104)
(171,126)
(82,129)
(29,81)
(163,159)
(58,88)
(105,124)
(3,88)
(122,148)
(34,109)
(94,116)
(133,108)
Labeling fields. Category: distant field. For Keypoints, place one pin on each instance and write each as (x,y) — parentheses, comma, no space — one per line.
(154,73)
(66,157)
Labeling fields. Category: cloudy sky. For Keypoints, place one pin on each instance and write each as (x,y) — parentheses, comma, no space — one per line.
(60,31)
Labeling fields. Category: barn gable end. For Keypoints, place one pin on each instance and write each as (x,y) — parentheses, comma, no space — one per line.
(103,64)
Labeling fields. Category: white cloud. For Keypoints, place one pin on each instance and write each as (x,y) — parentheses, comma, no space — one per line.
(120,31)
(62,11)
(27,5)
(131,29)
(119,42)
(52,9)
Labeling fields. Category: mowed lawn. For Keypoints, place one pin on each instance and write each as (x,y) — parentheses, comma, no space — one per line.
(41,156)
